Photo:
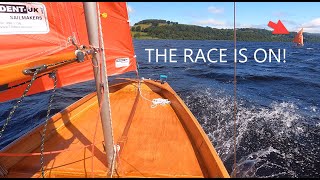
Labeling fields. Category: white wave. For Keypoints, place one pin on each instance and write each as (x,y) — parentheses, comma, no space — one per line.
(280,121)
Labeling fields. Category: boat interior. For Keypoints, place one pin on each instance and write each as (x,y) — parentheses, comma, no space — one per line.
(161,141)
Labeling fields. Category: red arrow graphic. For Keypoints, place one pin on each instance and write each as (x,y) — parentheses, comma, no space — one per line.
(279,28)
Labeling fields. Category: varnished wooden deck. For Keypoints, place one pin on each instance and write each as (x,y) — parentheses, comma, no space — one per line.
(154,143)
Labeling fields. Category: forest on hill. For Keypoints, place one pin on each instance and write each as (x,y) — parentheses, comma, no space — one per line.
(163,29)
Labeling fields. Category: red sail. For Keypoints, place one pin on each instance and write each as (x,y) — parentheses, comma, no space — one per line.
(34,44)
(299,38)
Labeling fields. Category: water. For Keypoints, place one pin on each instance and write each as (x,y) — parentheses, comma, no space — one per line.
(278,119)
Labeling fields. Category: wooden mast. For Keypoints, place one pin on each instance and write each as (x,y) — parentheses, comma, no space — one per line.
(92,22)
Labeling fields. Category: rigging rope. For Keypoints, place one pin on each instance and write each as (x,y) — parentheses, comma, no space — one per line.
(55,65)
(94,135)
(62,62)
(135,56)
(116,149)
(81,53)
(235,93)
(3,171)
(54,78)
(93,141)
(19,101)
(155,102)
(106,87)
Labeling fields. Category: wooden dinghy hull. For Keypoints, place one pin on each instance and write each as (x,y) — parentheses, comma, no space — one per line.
(165,141)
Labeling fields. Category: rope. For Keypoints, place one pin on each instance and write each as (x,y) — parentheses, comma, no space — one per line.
(92,148)
(44,67)
(116,149)
(235,93)
(3,171)
(160,101)
(104,88)
(53,76)
(155,102)
(18,102)
(138,68)
(81,53)
(94,138)
(137,64)
(62,62)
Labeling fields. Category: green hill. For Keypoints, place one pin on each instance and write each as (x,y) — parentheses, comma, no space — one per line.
(162,29)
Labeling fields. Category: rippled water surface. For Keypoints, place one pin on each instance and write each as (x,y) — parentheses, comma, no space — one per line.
(278,119)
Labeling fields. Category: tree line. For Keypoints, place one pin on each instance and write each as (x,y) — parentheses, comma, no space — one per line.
(173,30)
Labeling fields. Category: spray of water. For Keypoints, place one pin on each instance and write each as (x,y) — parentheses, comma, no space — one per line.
(272,141)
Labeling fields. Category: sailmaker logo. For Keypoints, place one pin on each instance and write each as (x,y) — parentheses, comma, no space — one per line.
(23,18)
(11,8)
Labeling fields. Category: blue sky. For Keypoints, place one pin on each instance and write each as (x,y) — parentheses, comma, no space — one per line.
(220,14)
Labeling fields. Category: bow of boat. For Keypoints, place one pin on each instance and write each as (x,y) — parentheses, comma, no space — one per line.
(164,141)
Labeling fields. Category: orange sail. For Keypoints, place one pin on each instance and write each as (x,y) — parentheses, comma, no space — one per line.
(298,39)
(41,33)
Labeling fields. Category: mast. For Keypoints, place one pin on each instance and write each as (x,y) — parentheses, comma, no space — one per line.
(92,22)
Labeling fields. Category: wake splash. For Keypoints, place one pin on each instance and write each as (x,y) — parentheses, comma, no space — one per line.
(273,141)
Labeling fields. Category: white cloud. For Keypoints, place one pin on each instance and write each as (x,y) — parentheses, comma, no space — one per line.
(215,10)
(312,26)
(310,30)
(226,25)
(257,26)
(130,9)
(210,22)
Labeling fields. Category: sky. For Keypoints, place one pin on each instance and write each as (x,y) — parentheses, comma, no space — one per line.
(294,15)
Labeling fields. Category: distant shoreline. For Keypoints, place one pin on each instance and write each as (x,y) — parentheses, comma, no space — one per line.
(162,29)
(216,40)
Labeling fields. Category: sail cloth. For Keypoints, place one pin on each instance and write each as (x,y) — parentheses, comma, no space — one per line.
(34,34)
(298,39)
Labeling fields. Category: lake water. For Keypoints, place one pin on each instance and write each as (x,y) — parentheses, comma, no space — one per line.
(278,119)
